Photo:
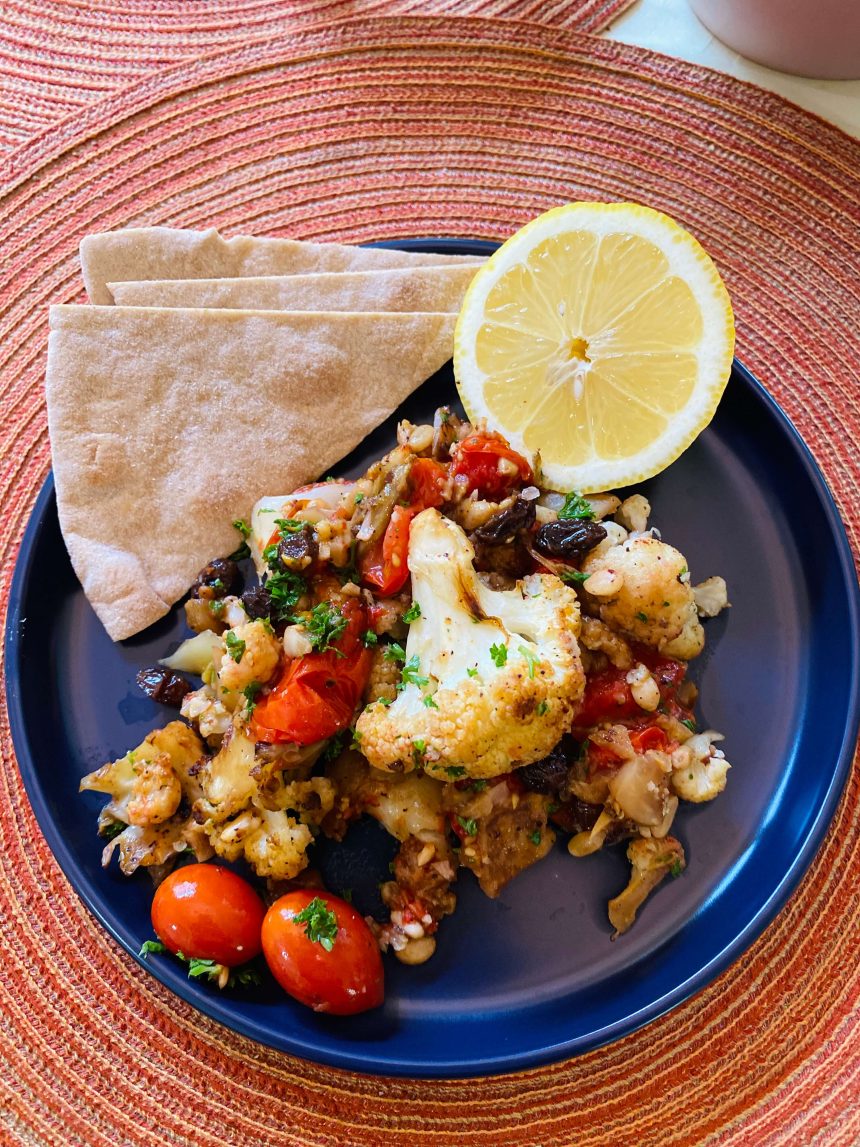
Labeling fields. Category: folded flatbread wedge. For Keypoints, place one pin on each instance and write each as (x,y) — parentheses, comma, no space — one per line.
(397,289)
(168,424)
(168,253)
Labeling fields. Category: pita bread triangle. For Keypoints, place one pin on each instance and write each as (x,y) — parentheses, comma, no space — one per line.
(168,253)
(395,289)
(168,424)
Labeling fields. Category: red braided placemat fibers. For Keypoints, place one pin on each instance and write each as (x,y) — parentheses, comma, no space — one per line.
(57,56)
(383,129)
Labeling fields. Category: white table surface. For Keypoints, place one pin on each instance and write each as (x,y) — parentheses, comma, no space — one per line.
(669,26)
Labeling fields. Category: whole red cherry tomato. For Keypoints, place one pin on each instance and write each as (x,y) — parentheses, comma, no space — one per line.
(317,694)
(207,912)
(490,464)
(322,953)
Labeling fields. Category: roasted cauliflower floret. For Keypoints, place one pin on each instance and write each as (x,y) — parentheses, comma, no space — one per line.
(700,769)
(274,843)
(156,792)
(651,860)
(252,655)
(131,779)
(491,678)
(641,588)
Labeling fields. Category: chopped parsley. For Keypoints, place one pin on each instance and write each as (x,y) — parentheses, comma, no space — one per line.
(536,837)
(691,725)
(394,652)
(683,571)
(386,701)
(575,506)
(573,577)
(542,708)
(472,672)
(412,613)
(532,659)
(469,825)
(675,870)
(355,743)
(210,969)
(235,645)
(216,608)
(499,654)
(429,703)
(324,626)
(359,498)
(369,638)
(419,748)
(411,673)
(478,786)
(250,694)
(285,589)
(455,771)
(243,551)
(151,946)
(288,526)
(642,616)
(320,921)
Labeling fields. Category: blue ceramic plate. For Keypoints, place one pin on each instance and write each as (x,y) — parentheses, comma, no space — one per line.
(532,976)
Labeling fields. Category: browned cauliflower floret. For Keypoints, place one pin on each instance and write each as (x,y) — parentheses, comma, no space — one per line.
(252,655)
(384,678)
(491,678)
(700,769)
(156,791)
(641,588)
(274,843)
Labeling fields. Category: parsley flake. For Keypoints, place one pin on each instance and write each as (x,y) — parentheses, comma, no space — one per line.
(235,645)
(412,613)
(324,626)
(455,771)
(285,589)
(469,825)
(691,725)
(394,652)
(411,673)
(536,837)
(574,577)
(471,672)
(250,694)
(151,946)
(429,703)
(359,498)
(109,831)
(369,638)
(542,708)
(575,506)
(320,921)
(242,526)
(642,616)
(499,654)
(675,870)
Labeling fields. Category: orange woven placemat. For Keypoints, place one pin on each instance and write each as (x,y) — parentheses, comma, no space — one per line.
(56,56)
(380,129)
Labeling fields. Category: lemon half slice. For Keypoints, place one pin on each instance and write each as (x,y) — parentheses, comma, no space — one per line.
(600,335)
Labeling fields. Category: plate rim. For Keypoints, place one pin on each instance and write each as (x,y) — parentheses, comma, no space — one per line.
(340,1056)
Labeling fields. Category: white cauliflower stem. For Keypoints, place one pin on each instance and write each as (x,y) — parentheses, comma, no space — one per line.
(492,676)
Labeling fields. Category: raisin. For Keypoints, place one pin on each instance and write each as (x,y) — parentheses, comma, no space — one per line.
(257,602)
(298,550)
(163,685)
(569,540)
(504,526)
(548,775)
(216,579)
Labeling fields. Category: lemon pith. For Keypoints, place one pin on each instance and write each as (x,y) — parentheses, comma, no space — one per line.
(600,335)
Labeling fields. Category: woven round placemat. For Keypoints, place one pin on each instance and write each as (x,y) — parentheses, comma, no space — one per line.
(57,56)
(382,129)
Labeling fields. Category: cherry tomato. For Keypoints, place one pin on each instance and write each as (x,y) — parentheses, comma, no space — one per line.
(428,481)
(207,912)
(317,694)
(650,737)
(345,980)
(478,458)
(385,566)
(608,696)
